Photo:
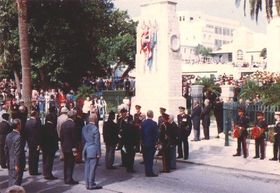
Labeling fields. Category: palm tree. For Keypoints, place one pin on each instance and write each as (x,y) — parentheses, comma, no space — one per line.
(256,7)
(24,51)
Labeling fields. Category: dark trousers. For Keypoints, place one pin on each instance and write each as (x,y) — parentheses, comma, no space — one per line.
(185,143)
(48,158)
(15,178)
(33,160)
(128,158)
(90,168)
(241,141)
(260,147)
(69,163)
(196,129)
(276,148)
(166,159)
(206,125)
(149,153)
(110,156)
(2,156)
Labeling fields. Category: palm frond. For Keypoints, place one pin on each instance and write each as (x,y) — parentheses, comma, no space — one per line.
(244,7)
(268,9)
(258,9)
(277,4)
(252,8)
(237,3)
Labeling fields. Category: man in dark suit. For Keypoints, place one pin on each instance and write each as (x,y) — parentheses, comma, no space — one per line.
(92,151)
(15,155)
(128,140)
(110,136)
(33,133)
(218,112)
(185,127)
(149,136)
(69,144)
(205,116)
(5,129)
(196,113)
(49,143)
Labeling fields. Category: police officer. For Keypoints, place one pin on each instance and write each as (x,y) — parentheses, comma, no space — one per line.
(185,126)
(242,122)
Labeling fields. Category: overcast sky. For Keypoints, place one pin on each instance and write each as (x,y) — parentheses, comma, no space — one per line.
(221,8)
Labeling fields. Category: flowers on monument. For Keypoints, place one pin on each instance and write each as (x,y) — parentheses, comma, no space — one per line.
(148,41)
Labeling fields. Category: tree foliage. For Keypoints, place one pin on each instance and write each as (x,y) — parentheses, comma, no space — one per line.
(68,38)
(201,50)
(256,6)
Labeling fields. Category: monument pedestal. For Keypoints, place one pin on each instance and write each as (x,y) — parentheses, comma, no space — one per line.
(158,67)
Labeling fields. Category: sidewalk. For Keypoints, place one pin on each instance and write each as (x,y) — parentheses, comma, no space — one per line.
(213,152)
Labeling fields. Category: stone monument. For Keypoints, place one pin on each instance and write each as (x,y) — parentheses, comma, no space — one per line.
(158,68)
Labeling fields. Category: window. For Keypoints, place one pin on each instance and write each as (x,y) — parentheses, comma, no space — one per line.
(218,30)
(239,55)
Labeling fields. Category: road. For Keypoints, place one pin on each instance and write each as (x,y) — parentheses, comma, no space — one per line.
(188,178)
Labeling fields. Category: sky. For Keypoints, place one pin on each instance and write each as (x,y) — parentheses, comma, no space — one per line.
(220,8)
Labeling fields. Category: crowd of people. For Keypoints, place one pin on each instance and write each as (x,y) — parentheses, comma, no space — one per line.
(117,83)
(71,126)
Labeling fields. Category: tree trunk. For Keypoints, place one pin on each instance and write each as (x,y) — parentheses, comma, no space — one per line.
(24,52)
(17,81)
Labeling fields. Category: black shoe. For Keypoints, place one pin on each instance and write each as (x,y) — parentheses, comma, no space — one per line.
(73,182)
(256,157)
(112,168)
(217,137)
(262,158)
(245,156)
(273,159)
(35,174)
(130,171)
(180,157)
(237,154)
(51,178)
(94,188)
(151,175)
(186,158)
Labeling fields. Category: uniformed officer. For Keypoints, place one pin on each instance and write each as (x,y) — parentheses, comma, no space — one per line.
(185,126)
(259,141)
(138,118)
(276,144)
(128,140)
(242,123)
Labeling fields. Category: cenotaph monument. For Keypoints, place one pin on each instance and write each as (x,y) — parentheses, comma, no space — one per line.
(273,44)
(158,68)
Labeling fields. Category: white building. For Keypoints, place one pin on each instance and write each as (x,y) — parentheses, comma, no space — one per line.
(244,50)
(209,31)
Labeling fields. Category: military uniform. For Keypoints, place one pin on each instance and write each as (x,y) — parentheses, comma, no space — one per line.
(168,140)
(138,119)
(259,142)
(185,126)
(128,139)
(276,144)
(242,122)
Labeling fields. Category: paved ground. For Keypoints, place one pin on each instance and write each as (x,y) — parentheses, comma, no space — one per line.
(207,170)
